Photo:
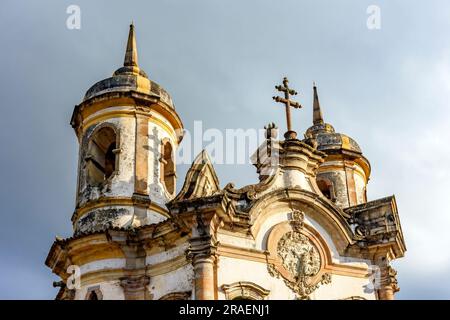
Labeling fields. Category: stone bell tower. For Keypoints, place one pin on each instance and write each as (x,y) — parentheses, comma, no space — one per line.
(344,175)
(128,131)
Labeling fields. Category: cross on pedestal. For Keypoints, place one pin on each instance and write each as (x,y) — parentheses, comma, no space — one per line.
(290,134)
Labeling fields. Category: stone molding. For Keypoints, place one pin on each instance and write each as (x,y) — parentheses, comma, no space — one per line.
(244,289)
(96,290)
(182,295)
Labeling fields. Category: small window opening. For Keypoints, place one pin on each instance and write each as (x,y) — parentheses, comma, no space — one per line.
(167,167)
(327,189)
(101,160)
(93,296)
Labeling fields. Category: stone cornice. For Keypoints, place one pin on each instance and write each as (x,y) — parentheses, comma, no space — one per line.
(377,227)
(110,243)
(117,201)
(110,99)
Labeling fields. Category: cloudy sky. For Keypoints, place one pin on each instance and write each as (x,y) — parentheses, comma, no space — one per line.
(389,89)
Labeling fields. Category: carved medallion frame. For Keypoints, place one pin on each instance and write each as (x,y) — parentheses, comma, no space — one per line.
(276,268)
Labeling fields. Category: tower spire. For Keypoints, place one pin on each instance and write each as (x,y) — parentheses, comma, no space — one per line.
(317,112)
(131,57)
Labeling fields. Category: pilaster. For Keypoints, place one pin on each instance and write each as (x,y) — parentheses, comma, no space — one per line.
(388,284)
(202,253)
(135,287)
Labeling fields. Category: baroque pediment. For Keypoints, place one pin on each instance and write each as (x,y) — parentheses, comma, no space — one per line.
(201,179)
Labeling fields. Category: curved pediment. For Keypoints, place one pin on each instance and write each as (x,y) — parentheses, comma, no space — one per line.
(328,217)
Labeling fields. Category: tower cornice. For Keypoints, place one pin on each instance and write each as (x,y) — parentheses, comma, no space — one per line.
(89,107)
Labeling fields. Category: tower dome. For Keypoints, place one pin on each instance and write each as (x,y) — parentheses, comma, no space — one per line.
(345,168)
(327,139)
(129,78)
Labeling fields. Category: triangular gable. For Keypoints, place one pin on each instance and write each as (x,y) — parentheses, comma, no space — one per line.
(201,179)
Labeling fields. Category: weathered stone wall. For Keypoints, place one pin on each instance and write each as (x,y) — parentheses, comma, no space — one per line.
(360,188)
(338,179)
(101,219)
(156,134)
(179,280)
(170,273)
(110,290)
(121,183)
(344,287)
(293,178)
(348,179)
(231,270)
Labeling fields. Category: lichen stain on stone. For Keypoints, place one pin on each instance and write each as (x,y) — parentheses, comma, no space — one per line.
(100,220)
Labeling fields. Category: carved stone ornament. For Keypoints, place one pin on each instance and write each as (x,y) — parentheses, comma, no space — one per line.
(298,255)
(297,221)
(392,278)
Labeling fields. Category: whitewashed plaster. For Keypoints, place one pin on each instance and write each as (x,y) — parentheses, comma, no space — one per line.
(111,290)
(103,264)
(180,280)
(231,270)
(167,255)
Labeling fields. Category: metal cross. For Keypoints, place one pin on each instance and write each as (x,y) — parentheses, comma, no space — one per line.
(290,134)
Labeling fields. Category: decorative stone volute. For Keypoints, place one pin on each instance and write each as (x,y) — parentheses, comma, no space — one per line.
(297,155)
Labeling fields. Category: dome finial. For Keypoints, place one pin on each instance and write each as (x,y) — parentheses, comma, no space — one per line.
(131,57)
(317,112)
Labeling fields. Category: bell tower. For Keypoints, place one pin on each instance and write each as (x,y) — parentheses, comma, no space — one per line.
(344,174)
(128,131)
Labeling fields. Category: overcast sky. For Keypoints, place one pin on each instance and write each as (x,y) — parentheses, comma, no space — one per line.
(389,89)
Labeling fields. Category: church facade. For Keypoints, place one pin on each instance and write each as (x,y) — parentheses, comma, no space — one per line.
(306,230)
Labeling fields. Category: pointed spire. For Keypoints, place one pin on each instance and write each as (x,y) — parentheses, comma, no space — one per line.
(131,58)
(317,112)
